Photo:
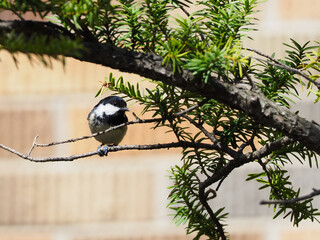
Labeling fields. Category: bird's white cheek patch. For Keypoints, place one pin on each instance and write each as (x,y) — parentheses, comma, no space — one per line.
(108,109)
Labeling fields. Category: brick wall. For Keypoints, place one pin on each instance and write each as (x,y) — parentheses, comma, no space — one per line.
(295,9)
(124,195)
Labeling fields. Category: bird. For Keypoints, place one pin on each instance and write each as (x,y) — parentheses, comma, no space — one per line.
(109,112)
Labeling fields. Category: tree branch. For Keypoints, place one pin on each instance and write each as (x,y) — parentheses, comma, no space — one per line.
(204,201)
(315,192)
(252,103)
(279,64)
(137,121)
(210,136)
(149,65)
(226,170)
(246,158)
(273,187)
(181,144)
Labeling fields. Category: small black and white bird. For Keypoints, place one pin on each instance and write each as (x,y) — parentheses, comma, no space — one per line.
(109,112)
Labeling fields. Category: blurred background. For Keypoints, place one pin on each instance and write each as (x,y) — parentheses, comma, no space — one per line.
(123,196)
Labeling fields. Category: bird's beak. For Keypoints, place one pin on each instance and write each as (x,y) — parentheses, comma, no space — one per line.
(125,109)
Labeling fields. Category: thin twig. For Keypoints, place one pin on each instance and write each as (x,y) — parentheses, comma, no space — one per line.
(315,192)
(220,182)
(111,148)
(226,149)
(33,145)
(253,85)
(137,121)
(263,55)
(136,117)
(203,197)
(213,192)
(203,130)
(98,133)
(17,14)
(181,113)
(264,167)
(247,143)
(279,64)
(246,158)
(180,144)
(192,18)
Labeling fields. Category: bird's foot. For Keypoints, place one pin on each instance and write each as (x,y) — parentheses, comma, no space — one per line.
(102,151)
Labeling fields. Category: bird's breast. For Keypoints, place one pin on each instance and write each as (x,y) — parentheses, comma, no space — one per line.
(113,137)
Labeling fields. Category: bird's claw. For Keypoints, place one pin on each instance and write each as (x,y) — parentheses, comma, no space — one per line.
(103,151)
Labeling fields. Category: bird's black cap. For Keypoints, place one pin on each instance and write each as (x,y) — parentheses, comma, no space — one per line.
(115,101)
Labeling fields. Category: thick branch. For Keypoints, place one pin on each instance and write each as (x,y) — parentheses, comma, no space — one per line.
(149,65)
(31,27)
(252,103)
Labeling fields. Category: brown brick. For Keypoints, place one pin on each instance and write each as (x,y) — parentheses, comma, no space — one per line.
(8,15)
(141,237)
(21,236)
(34,78)
(132,195)
(19,127)
(246,236)
(55,193)
(311,234)
(297,9)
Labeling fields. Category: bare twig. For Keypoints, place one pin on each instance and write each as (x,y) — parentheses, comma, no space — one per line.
(315,192)
(135,116)
(183,112)
(17,14)
(137,121)
(220,182)
(96,134)
(263,55)
(247,143)
(112,148)
(33,145)
(213,194)
(180,144)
